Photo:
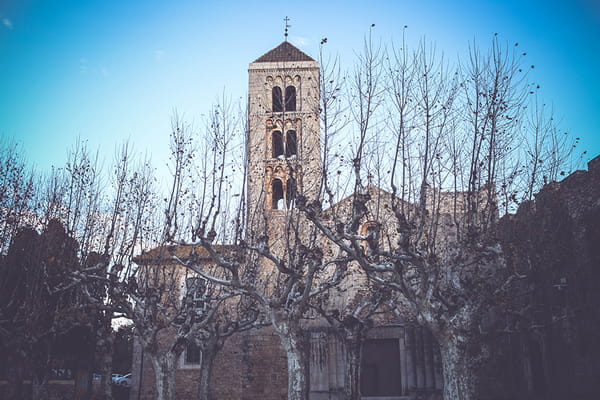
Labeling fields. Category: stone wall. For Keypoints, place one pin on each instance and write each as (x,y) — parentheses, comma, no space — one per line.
(251,366)
(548,345)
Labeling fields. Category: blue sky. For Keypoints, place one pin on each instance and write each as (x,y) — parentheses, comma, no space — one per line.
(108,71)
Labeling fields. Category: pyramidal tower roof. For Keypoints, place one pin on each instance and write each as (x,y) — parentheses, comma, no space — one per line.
(284,52)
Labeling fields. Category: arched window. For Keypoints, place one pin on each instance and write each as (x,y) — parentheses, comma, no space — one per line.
(277,142)
(291,149)
(277,99)
(290,193)
(290,98)
(277,195)
(371,231)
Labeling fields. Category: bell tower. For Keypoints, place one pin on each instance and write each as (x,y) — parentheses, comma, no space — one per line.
(283,143)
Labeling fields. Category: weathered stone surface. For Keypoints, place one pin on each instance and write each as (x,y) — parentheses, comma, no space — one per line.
(549,346)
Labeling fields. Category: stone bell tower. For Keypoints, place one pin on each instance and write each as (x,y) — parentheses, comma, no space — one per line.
(283,143)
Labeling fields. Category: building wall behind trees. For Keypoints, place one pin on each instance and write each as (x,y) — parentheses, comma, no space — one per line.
(548,346)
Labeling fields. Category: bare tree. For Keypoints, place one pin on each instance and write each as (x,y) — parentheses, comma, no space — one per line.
(280,276)
(454,132)
(37,305)
(173,307)
(351,309)
(17,193)
(112,223)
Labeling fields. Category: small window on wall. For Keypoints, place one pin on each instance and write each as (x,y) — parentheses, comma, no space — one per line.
(196,287)
(192,356)
(290,98)
(277,195)
(371,231)
(277,143)
(291,148)
(277,99)
(380,368)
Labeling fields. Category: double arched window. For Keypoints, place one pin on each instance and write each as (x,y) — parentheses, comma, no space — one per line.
(289,148)
(283,198)
(277,99)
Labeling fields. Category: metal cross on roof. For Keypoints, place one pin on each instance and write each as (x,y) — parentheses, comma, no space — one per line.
(286,19)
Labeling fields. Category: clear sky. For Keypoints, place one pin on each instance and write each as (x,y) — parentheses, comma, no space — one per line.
(112,70)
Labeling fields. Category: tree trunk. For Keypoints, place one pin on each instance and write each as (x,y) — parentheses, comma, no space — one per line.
(353,348)
(460,368)
(295,345)
(164,372)
(14,375)
(105,368)
(208,355)
(41,365)
(105,343)
(39,387)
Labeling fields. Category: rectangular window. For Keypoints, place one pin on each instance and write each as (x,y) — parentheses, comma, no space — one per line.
(192,356)
(196,287)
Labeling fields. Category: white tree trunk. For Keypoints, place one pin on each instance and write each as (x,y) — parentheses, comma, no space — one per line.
(14,374)
(208,356)
(164,372)
(460,368)
(296,348)
(39,387)
(105,343)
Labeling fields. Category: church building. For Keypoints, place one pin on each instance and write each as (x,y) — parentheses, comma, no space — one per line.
(399,359)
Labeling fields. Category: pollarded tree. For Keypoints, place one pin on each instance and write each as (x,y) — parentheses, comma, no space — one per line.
(170,306)
(351,308)
(280,277)
(38,305)
(456,133)
(113,224)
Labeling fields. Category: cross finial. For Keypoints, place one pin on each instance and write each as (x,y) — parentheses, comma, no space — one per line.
(286,19)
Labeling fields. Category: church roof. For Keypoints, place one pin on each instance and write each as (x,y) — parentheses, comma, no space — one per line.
(169,254)
(284,52)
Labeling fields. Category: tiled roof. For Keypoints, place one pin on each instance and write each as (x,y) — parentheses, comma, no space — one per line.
(166,254)
(284,52)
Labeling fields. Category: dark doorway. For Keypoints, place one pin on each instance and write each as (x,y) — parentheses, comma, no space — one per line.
(380,368)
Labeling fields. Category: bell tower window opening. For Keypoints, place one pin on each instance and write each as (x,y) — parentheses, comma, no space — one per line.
(277,99)
(290,193)
(277,195)
(291,148)
(277,142)
(290,98)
